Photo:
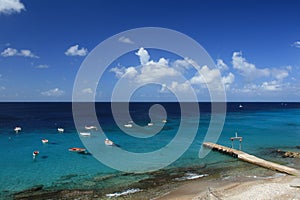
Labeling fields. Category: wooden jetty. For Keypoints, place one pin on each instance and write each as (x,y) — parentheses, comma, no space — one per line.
(252,159)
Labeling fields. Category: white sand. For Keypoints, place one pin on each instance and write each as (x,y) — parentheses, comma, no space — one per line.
(266,189)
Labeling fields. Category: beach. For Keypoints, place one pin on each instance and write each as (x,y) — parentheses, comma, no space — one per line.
(284,188)
(278,186)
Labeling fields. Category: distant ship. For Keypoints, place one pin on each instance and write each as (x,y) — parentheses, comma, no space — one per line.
(240,106)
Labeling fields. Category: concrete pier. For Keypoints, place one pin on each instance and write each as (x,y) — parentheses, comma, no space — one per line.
(252,159)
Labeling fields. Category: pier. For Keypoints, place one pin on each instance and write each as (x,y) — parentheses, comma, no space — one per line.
(251,159)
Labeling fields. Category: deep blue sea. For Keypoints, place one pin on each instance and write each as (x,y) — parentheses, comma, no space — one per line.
(264,127)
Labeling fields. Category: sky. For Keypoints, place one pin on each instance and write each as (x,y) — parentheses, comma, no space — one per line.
(255,46)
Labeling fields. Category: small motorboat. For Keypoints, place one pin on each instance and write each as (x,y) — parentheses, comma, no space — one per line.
(108,142)
(85,133)
(240,106)
(45,141)
(90,127)
(150,124)
(17,129)
(35,153)
(78,150)
(60,130)
(164,121)
(128,125)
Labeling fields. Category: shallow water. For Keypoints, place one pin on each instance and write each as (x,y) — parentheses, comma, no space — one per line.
(264,127)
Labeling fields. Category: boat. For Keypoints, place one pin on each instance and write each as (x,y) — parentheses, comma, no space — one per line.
(60,130)
(90,127)
(164,121)
(78,150)
(35,153)
(108,142)
(45,141)
(240,106)
(128,125)
(150,124)
(85,134)
(17,129)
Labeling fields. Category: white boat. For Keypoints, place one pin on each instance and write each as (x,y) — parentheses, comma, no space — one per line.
(240,106)
(164,121)
(108,142)
(17,129)
(90,127)
(128,125)
(60,130)
(150,124)
(45,141)
(85,134)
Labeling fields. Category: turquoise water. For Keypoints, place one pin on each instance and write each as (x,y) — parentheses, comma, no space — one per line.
(264,128)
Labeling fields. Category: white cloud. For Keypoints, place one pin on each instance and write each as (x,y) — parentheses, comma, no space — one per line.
(180,87)
(9,52)
(119,72)
(130,72)
(228,80)
(296,44)
(27,53)
(246,69)
(248,88)
(143,55)
(170,75)
(163,88)
(11,6)
(263,88)
(87,91)
(206,76)
(148,71)
(75,51)
(182,65)
(271,86)
(221,65)
(53,92)
(42,67)
(126,40)
(279,74)
(14,52)
(156,71)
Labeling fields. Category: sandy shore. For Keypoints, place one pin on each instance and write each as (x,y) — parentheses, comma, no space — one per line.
(283,188)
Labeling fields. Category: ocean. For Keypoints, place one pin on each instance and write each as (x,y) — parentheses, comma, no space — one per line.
(265,127)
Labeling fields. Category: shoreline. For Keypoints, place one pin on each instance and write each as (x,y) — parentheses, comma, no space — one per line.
(276,186)
(209,181)
(279,186)
(283,187)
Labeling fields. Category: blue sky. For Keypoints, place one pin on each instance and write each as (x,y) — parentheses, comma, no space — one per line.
(255,45)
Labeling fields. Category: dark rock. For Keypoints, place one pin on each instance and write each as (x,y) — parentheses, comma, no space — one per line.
(33,189)
(68,177)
